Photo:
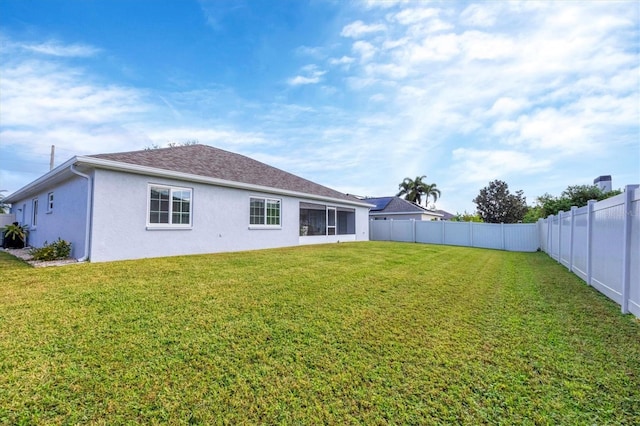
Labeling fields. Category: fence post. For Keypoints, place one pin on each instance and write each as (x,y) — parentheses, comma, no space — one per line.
(549,236)
(443,236)
(390,229)
(560,213)
(471,234)
(502,233)
(626,248)
(590,205)
(539,232)
(413,229)
(571,237)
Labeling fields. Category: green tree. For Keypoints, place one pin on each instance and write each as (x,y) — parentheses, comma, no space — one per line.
(414,189)
(496,204)
(466,217)
(574,195)
(173,144)
(533,214)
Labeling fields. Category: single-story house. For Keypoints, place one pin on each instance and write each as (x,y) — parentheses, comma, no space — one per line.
(181,200)
(396,208)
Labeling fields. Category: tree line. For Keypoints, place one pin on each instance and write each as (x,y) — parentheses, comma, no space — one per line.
(496,204)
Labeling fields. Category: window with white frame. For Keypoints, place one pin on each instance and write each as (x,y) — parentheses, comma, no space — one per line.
(264,212)
(34,217)
(169,206)
(50,202)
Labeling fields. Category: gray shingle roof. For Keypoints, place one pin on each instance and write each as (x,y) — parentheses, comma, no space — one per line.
(445,215)
(207,161)
(397,205)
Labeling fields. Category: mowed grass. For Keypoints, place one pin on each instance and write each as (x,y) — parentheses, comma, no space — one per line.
(359,333)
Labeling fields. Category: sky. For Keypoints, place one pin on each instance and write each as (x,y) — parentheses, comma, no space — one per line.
(354,95)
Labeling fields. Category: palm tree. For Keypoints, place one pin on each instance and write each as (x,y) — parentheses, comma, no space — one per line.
(431,190)
(3,207)
(413,190)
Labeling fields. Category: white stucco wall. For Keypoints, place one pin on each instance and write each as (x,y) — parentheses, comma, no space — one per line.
(220,220)
(66,220)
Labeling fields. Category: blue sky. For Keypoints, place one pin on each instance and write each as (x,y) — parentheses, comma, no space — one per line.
(355,95)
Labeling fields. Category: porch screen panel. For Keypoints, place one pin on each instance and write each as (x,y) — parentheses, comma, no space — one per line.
(346,221)
(313,219)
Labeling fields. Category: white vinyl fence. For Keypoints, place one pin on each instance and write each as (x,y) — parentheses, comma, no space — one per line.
(599,242)
(511,237)
(5,219)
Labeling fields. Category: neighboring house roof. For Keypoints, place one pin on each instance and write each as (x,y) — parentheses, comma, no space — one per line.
(445,215)
(397,205)
(379,203)
(197,162)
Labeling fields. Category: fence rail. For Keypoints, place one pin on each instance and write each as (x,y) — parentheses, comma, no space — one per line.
(599,242)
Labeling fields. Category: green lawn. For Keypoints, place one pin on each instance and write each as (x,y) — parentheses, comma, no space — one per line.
(358,333)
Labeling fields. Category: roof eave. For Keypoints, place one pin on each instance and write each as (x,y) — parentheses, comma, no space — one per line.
(42,182)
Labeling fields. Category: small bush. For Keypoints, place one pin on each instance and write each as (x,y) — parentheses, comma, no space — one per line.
(59,249)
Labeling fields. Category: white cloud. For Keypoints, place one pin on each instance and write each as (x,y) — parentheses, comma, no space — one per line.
(383,4)
(478,166)
(314,52)
(507,106)
(55,48)
(310,75)
(392,44)
(480,45)
(364,50)
(302,80)
(415,15)
(41,93)
(357,29)
(437,48)
(480,15)
(344,60)
(389,71)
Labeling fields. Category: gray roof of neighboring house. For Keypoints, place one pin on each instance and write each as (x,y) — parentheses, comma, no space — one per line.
(396,205)
(445,215)
(207,161)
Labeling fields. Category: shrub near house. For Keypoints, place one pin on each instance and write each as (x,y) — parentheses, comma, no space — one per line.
(59,249)
(14,236)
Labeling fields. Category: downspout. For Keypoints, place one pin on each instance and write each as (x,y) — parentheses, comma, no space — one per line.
(87,230)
